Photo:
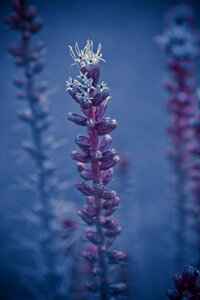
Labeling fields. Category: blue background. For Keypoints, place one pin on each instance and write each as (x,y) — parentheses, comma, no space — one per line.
(134,72)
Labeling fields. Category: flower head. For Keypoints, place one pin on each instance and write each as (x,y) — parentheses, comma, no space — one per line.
(179,39)
(86,56)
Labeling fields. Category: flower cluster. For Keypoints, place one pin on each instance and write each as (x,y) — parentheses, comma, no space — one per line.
(179,39)
(95,162)
(35,113)
(181,44)
(187,285)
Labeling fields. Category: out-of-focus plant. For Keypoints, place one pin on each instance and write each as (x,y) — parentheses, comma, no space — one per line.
(194,187)
(181,44)
(49,278)
(187,285)
(93,97)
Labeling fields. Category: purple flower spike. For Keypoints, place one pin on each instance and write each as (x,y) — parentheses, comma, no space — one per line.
(187,285)
(93,97)
(181,43)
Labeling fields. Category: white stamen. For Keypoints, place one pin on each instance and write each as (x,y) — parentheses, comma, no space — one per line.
(86,56)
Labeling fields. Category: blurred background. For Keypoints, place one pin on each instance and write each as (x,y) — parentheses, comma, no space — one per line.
(134,71)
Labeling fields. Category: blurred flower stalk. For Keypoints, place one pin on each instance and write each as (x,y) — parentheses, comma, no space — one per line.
(51,280)
(181,44)
(95,162)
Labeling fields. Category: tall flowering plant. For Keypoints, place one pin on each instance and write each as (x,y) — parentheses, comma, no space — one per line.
(50,277)
(95,162)
(180,43)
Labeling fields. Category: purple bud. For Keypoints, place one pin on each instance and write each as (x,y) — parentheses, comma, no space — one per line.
(93,237)
(105,125)
(108,194)
(116,256)
(109,155)
(118,288)
(105,142)
(80,156)
(81,167)
(110,204)
(95,271)
(26,115)
(77,119)
(100,97)
(100,111)
(88,214)
(107,176)
(83,140)
(109,164)
(84,188)
(90,256)
(87,174)
(90,201)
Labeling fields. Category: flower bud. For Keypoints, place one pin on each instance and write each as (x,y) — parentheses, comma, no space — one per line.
(87,174)
(108,194)
(100,111)
(83,140)
(93,237)
(84,188)
(80,156)
(90,256)
(116,256)
(88,214)
(77,119)
(26,115)
(100,97)
(105,142)
(108,155)
(118,288)
(105,125)
(110,204)
(109,164)
(107,176)
(81,167)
